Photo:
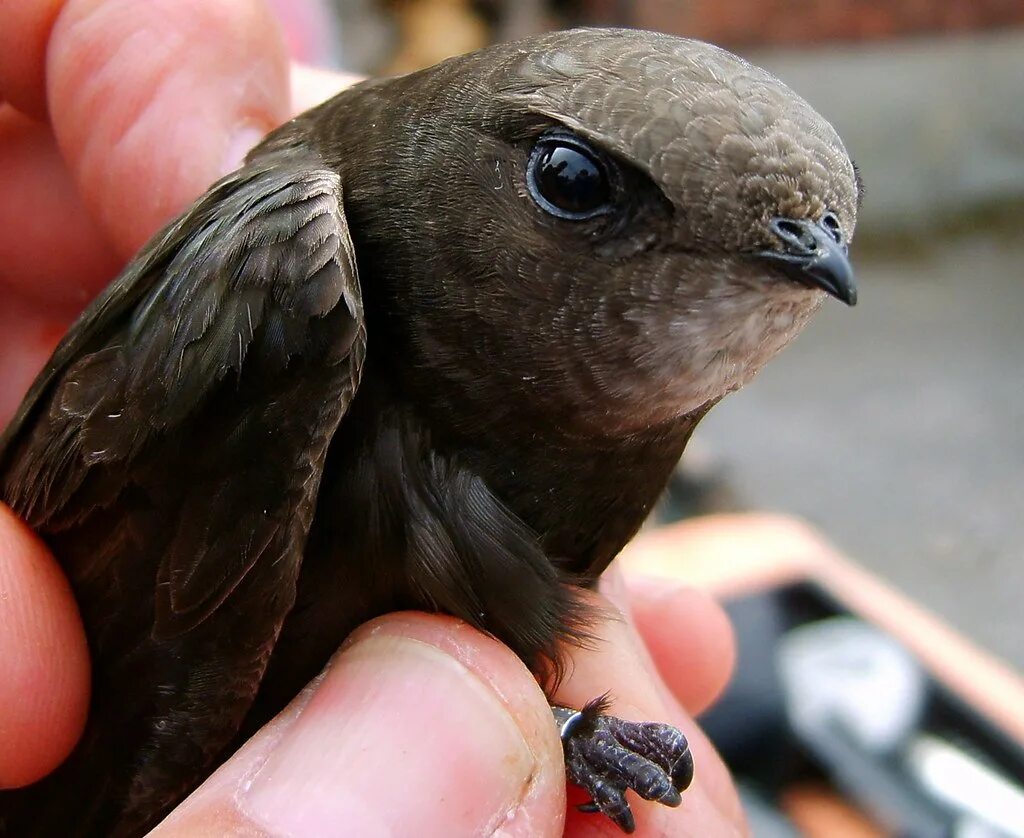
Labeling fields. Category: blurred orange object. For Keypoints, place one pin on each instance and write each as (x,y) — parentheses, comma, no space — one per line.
(820,813)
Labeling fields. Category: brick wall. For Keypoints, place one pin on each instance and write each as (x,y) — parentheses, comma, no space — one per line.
(753,22)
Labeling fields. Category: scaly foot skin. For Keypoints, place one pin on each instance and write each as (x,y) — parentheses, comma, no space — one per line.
(605,755)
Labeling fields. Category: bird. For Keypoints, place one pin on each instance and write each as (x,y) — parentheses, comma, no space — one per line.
(437,344)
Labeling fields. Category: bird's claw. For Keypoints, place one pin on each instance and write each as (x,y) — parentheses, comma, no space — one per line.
(605,755)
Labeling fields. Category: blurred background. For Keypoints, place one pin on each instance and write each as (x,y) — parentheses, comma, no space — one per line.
(896,428)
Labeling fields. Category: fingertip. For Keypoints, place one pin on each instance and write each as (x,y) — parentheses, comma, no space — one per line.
(44,692)
(689,636)
(148,101)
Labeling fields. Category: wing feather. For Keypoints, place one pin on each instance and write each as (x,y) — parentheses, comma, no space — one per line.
(210,375)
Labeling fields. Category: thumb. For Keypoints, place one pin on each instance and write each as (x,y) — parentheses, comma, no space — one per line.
(152,101)
(44,690)
(419,726)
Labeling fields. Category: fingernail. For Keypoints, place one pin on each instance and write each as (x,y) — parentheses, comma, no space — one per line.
(398,739)
(239,145)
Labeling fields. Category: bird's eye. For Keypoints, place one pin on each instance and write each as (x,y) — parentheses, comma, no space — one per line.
(567,178)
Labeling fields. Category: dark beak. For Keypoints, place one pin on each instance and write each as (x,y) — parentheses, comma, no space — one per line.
(814,254)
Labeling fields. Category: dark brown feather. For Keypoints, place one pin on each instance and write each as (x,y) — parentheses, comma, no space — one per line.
(162,456)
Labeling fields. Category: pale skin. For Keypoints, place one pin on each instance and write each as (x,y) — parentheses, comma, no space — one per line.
(113,116)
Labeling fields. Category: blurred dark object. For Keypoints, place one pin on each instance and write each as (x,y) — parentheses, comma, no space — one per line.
(511,19)
(853,712)
(738,23)
(822,697)
(367,35)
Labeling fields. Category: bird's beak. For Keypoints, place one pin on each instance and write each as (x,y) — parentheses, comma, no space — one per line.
(813,255)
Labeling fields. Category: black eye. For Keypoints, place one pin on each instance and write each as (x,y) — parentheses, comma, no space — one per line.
(568,179)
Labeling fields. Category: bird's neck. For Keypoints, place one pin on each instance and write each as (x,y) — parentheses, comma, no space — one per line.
(582,496)
(414,514)
(585,498)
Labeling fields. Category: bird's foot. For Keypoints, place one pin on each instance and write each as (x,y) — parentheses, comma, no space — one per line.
(605,756)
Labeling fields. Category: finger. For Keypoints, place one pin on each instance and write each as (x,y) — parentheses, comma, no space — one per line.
(44,691)
(150,102)
(23,36)
(685,632)
(688,635)
(51,251)
(41,205)
(419,726)
(619,663)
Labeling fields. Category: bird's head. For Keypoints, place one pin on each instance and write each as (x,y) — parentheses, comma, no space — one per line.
(746,167)
(620,225)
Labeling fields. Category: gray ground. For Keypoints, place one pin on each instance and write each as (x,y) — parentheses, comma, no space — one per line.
(897,428)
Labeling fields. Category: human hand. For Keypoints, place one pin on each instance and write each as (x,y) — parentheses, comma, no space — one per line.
(420,725)
(423,726)
(115,116)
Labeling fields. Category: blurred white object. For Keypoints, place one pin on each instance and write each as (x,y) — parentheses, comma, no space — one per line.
(849,684)
(956,779)
(846,670)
